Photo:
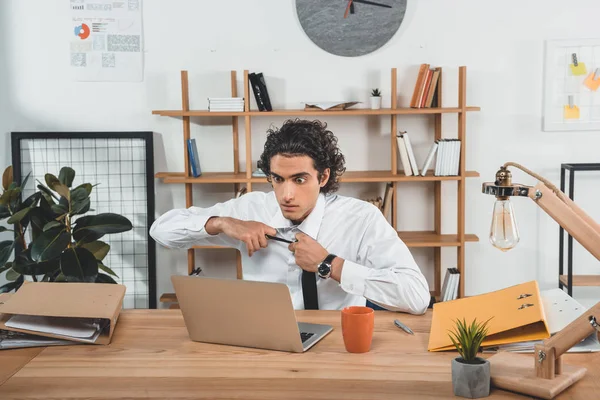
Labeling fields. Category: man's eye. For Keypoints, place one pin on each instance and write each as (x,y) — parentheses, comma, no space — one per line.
(300,180)
(277,179)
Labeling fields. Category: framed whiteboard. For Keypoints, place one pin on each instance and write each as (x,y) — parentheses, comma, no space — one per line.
(563,79)
(122,165)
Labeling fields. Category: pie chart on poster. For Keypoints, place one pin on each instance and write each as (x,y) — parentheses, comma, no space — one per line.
(350,28)
(83,31)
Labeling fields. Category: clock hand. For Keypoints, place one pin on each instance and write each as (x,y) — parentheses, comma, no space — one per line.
(348,8)
(372,3)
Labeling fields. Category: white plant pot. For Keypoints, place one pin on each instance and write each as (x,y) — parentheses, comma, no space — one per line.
(375,103)
(471,380)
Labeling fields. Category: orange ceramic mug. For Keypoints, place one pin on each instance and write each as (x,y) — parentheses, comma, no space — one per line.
(357,328)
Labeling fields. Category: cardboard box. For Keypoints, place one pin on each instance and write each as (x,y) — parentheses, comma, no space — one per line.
(64,302)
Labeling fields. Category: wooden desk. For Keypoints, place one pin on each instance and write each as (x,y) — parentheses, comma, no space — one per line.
(152,357)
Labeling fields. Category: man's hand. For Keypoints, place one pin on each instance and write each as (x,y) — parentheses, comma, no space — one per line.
(252,233)
(308,252)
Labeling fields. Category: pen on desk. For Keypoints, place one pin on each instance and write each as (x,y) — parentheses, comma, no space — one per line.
(403,327)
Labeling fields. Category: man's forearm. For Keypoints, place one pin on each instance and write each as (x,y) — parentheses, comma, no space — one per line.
(214,225)
(336,268)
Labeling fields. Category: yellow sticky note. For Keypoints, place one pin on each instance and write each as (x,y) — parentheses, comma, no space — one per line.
(592,83)
(571,112)
(579,69)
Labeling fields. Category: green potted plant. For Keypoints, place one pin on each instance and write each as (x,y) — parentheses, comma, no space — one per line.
(54,238)
(375,99)
(470,373)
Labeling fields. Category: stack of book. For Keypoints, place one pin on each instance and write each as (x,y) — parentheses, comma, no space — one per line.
(447,161)
(384,204)
(425,94)
(226,104)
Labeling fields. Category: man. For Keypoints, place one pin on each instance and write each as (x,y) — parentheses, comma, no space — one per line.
(359,253)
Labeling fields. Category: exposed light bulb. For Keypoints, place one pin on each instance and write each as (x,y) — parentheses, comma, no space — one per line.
(504,234)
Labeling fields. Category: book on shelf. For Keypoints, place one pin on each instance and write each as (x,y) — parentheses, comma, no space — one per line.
(386,207)
(224,104)
(403,155)
(447,160)
(329,105)
(450,285)
(259,88)
(425,93)
(194,158)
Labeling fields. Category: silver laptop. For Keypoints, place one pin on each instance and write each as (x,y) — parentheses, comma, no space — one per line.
(243,313)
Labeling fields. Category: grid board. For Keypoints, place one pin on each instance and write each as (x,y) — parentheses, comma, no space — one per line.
(562,81)
(120,164)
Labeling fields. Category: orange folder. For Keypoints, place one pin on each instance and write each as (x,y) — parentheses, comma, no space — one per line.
(517,315)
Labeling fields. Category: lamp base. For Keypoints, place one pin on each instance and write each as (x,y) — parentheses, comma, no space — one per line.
(516,372)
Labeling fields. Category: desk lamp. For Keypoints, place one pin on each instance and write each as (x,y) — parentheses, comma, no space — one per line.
(542,375)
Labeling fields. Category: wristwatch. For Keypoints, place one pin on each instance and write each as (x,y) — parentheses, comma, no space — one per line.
(324,269)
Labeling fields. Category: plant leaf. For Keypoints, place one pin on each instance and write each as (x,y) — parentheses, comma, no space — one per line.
(79,265)
(103,278)
(52,224)
(12,275)
(32,268)
(6,248)
(7,177)
(48,192)
(4,211)
(58,209)
(18,216)
(81,192)
(37,219)
(6,267)
(12,285)
(60,278)
(4,229)
(98,248)
(80,207)
(107,270)
(104,223)
(54,183)
(50,244)
(66,176)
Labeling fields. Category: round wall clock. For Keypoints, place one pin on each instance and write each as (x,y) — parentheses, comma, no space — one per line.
(350,28)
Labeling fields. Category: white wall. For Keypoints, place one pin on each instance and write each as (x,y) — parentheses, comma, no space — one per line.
(500,42)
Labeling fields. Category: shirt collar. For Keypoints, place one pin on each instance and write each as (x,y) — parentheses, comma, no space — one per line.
(310,225)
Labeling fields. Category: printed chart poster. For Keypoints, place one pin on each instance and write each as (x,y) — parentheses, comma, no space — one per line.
(106,40)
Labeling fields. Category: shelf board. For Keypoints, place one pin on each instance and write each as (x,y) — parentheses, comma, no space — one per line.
(582,280)
(299,112)
(349,176)
(168,298)
(412,239)
(432,239)
(206,177)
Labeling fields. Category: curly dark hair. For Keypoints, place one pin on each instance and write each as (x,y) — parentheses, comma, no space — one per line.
(311,138)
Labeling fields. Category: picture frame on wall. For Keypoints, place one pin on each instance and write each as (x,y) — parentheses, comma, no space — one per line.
(571,97)
(121,166)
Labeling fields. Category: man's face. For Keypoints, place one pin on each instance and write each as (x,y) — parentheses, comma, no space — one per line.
(296,184)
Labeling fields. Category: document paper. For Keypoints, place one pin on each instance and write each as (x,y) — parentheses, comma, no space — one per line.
(106,40)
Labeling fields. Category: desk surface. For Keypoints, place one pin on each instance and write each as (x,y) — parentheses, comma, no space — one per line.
(152,357)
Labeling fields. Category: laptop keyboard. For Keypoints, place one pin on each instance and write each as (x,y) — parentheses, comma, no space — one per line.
(305,336)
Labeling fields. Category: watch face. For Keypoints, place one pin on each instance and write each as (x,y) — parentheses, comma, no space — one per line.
(350,28)
(324,269)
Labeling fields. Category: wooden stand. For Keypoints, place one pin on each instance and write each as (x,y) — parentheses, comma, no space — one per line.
(544,376)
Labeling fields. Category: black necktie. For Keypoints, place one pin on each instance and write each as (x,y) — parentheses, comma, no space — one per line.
(309,290)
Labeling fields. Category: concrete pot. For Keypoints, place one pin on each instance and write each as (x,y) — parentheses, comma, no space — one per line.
(471,380)
(375,102)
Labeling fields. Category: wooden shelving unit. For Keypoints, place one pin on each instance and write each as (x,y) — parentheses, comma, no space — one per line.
(430,239)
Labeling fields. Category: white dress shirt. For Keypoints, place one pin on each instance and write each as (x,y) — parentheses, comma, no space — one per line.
(378,266)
